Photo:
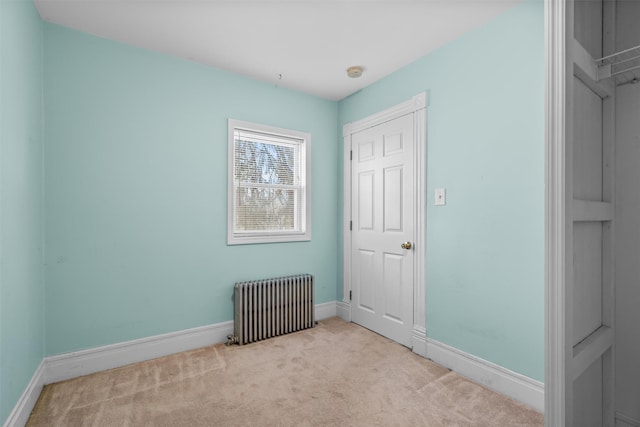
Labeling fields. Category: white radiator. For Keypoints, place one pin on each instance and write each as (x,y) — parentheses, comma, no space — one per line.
(271,307)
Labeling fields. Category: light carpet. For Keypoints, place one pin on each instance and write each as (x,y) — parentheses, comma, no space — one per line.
(336,374)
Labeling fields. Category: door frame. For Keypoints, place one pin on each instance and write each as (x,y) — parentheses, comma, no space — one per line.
(565,57)
(417,106)
(555,211)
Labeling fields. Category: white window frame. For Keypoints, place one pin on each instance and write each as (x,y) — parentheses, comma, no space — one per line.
(304,233)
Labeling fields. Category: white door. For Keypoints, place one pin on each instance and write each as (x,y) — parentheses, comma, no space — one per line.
(382,208)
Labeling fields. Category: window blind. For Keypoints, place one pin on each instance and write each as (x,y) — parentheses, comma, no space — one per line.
(268,183)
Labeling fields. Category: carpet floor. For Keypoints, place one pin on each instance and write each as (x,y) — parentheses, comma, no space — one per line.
(336,374)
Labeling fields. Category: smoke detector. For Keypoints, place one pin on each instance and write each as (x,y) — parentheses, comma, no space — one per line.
(355,71)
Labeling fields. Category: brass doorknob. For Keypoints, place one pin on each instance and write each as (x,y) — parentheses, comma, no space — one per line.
(406,245)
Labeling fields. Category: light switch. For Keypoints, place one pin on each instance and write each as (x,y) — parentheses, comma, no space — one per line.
(441,197)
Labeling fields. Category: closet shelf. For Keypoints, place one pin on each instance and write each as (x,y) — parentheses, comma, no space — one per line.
(623,67)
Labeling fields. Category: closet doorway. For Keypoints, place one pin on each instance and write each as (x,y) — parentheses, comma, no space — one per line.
(592,214)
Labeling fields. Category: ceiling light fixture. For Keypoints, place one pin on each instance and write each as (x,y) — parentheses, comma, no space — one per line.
(355,71)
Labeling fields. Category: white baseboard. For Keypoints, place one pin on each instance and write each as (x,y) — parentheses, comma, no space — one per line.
(623,420)
(71,365)
(343,310)
(419,341)
(511,384)
(325,310)
(20,414)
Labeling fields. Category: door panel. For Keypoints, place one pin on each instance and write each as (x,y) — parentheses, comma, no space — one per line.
(393,199)
(392,280)
(366,262)
(366,190)
(587,294)
(392,143)
(365,149)
(587,151)
(382,211)
(587,390)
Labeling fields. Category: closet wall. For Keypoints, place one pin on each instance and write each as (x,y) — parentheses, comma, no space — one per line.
(627,339)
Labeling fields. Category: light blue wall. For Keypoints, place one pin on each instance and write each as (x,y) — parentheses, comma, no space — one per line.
(136,188)
(21,314)
(485,248)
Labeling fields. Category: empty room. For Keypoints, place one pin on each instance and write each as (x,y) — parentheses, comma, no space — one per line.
(285,213)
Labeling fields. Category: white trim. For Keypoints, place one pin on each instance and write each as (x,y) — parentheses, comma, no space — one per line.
(417,106)
(417,103)
(623,420)
(325,310)
(343,310)
(346,220)
(20,414)
(555,211)
(71,365)
(419,332)
(419,341)
(303,140)
(75,364)
(516,386)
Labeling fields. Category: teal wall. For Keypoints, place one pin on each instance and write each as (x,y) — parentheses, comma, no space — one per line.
(485,131)
(136,191)
(21,315)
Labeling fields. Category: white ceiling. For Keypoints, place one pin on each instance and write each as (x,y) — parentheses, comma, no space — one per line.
(305,45)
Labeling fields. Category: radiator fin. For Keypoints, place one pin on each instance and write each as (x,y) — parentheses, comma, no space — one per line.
(272,307)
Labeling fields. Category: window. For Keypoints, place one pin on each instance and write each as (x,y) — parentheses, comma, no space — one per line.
(269,199)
